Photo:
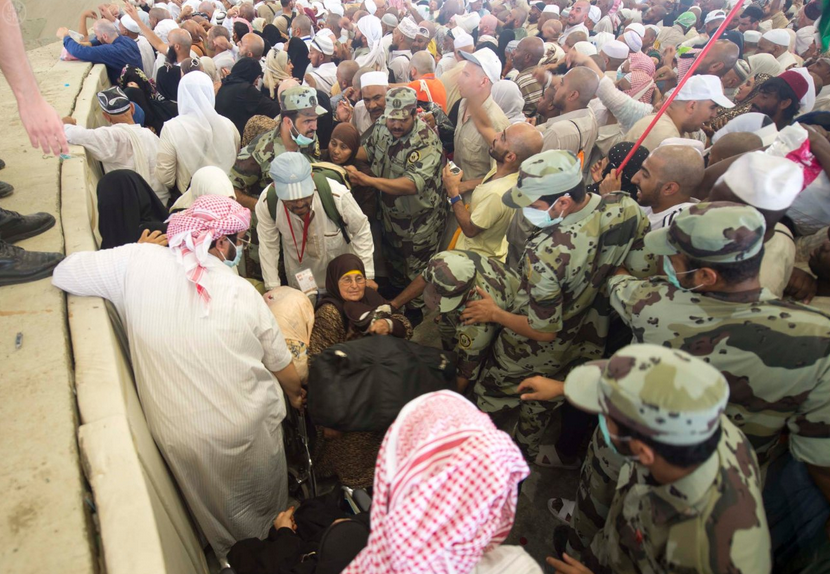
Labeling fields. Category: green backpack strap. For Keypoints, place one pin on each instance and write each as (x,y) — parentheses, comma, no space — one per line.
(320,177)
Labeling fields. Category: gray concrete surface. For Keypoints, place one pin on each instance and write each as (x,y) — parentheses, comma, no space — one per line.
(44,521)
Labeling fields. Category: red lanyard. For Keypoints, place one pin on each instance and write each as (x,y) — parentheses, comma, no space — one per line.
(306,222)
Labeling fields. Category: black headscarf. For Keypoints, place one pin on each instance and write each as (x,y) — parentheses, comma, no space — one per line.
(126,206)
(271,34)
(616,155)
(298,54)
(246,70)
(357,313)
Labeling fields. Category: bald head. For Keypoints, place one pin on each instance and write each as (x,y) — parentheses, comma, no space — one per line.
(574,37)
(733,144)
(681,164)
(346,71)
(551,30)
(251,46)
(487,25)
(181,41)
(582,80)
(524,140)
(423,63)
(721,58)
(528,53)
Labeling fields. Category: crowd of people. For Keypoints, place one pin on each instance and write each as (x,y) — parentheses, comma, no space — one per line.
(633,288)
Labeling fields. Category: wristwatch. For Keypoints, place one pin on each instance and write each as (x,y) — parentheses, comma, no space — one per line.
(453,200)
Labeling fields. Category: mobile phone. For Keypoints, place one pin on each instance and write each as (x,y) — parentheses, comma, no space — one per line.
(454,168)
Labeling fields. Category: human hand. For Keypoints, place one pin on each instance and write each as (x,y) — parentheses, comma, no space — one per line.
(89,15)
(62,32)
(429,119)
(575,58)
(156,238)
(452,181)
(802,286)
(298,400)
(186,11)
(597,169)
(379,327)
(349,93)
(611,183)
(43,124)
(667,55)
(356,177)
(483,310)
(69,120)
(817,136)
(370,283)
(531,121)
(106,12)
(131,11)
(285,519)
(569,566)
(344,111)
(665,74)
(542,389)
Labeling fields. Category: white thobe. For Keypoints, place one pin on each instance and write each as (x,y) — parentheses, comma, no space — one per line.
(113,147)
(447,62)
(571,29)
(324,76)
(205,383)
(324,243)
(148,55)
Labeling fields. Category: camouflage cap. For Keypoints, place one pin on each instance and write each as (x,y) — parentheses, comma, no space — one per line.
(449,275)
(717,232)
(299,98)
(661,393)
(548,173)
(400,103)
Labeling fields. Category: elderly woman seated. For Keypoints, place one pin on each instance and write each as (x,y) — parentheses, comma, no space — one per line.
(351,310)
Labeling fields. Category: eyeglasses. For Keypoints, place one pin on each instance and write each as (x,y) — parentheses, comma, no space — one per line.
(352,280)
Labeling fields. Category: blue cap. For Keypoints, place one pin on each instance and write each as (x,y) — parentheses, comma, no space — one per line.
(291,173)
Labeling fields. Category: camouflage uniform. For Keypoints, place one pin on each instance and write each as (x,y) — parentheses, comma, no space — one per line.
(452,278)
(412,224)
(711,520)
(250,172)
(774,354)
(563,272)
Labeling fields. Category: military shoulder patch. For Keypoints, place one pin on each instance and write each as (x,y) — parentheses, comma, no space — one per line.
(414,156)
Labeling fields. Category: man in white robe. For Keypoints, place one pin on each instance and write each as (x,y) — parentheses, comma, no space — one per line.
(205,351)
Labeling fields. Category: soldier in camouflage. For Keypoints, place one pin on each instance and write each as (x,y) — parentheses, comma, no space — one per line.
(581,238)
(774,354)
(296,131)
(406,155)
(450,281)
(688,498)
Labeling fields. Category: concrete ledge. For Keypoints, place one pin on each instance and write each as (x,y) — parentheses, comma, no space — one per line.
(145,525)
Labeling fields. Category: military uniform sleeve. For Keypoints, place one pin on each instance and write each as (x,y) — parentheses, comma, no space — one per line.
(246,172)
(269,242)
(626,292)
(357,224)
(810,427)
(544,309)
(639,261)
(422,163)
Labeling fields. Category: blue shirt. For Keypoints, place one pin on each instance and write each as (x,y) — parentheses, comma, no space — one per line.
(114,56)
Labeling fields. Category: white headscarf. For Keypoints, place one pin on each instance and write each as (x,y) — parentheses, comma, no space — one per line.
(202,136)
(804,38)
(764,64)
(508,97)
(372,31)
(209,180)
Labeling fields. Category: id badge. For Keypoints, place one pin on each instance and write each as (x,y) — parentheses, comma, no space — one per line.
(305,279)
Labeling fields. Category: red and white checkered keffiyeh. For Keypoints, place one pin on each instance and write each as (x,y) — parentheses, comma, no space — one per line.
(642,71)
(446,484)
(190,233)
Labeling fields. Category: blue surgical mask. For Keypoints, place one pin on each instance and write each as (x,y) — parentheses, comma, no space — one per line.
(300,139)
(671,274)
(620,74)
(540,217)
(236,258)
(606,435)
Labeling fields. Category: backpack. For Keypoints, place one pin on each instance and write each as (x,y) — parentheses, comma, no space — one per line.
(320,172)
(362,385)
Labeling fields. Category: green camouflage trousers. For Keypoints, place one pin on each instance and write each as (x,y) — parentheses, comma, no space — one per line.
(406,260)
(597,485)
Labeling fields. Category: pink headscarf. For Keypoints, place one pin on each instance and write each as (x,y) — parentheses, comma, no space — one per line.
(446,484)
(190,233)
(642,71)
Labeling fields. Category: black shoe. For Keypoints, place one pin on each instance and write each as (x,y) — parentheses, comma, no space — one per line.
(14,227)
(6,189)
(20,266)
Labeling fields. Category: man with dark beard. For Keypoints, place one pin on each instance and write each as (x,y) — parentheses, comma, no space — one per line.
(484,224)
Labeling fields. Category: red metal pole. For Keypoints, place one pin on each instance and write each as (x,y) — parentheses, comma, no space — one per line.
(688,75)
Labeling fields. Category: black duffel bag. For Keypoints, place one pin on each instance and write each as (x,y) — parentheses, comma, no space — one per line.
(362,385)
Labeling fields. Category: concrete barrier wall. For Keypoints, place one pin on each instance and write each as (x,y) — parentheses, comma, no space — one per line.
(145,524)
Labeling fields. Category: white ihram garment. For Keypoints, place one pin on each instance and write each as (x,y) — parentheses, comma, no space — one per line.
(205,383)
